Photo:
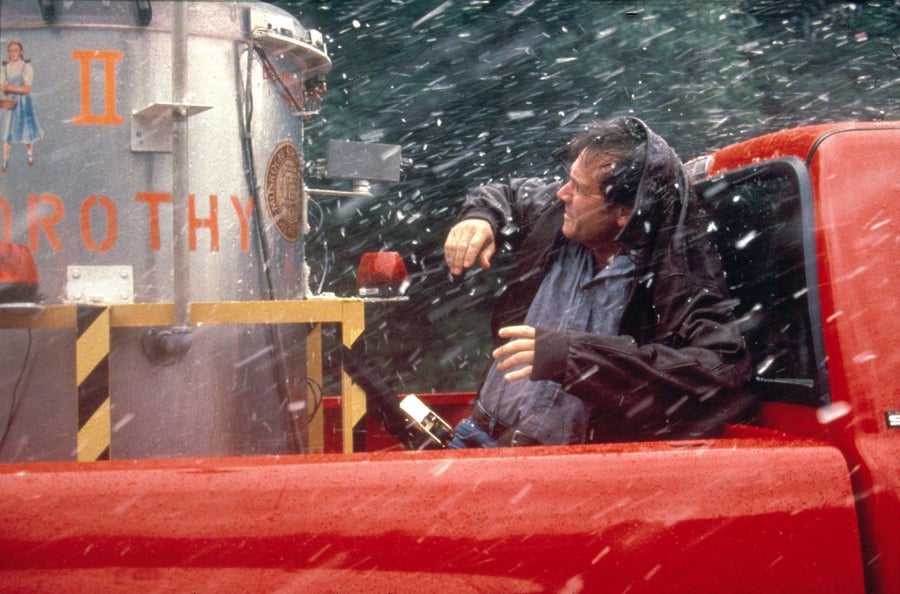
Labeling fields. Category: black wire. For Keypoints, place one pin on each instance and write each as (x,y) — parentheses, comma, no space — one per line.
(273,335)
(273,73)
(250,171)
(15,403)
(316,390)
(262,243)
(319,228)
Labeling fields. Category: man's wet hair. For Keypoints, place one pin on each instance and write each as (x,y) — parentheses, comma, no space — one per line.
(625,139)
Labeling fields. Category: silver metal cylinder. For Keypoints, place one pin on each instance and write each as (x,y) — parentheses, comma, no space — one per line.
(169,170)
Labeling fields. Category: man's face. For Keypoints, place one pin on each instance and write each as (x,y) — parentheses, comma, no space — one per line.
(589,218)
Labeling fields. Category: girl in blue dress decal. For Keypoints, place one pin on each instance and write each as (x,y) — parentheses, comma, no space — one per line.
(21,125)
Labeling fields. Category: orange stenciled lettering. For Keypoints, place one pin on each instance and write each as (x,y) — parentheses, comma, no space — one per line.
(153,199)
(211,223)
(37,223)
(6,213)
(112,229)
(87,117)
(244,219)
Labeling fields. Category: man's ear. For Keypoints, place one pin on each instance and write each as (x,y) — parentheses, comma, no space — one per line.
(623,215)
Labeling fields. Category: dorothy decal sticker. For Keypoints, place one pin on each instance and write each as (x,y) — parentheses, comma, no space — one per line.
(20,125)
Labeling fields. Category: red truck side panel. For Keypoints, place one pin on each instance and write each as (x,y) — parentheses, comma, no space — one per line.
(853,171)
(753,515)
(858,189)
(859,268)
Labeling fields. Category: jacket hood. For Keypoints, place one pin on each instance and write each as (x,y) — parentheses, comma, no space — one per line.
(662,195)
(669,240)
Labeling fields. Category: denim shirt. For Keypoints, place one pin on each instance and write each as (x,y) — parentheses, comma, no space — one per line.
(572,297)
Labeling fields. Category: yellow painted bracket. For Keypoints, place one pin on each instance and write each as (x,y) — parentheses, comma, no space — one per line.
(349,313)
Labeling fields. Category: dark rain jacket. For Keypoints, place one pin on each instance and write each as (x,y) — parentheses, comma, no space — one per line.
(679,365)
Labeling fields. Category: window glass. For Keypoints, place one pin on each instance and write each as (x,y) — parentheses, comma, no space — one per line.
(755,215)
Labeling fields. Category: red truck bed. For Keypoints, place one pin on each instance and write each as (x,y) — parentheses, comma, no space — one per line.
(745,516)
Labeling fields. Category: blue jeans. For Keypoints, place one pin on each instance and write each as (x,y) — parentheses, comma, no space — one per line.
(468,435)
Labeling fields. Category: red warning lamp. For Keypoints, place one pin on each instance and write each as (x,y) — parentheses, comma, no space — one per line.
(382,274)
(18,274)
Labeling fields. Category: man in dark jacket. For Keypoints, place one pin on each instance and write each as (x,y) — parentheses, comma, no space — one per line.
(614,323)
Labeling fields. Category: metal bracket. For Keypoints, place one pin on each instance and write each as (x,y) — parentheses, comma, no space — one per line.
(362,160)
(100,284)
(151,127)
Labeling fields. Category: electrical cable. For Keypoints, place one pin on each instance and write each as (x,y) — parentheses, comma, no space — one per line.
(316,390)
(273,336)
(323,241)
(273,333)
(272,72)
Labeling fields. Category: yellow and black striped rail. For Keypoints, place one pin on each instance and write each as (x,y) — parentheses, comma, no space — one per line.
(92,377)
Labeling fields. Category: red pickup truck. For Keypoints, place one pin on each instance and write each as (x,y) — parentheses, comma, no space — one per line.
(801,498)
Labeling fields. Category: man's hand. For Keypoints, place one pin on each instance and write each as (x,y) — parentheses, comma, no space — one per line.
(517,352)
(467,241)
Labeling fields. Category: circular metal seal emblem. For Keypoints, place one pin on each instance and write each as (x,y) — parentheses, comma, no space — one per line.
(284,190)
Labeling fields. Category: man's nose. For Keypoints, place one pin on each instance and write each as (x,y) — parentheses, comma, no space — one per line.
(565,192)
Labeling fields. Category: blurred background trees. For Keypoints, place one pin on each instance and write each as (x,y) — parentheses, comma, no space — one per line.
(483,90)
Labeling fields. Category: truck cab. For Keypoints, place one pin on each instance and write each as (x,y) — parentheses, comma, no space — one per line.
(802,496)
(808,235)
